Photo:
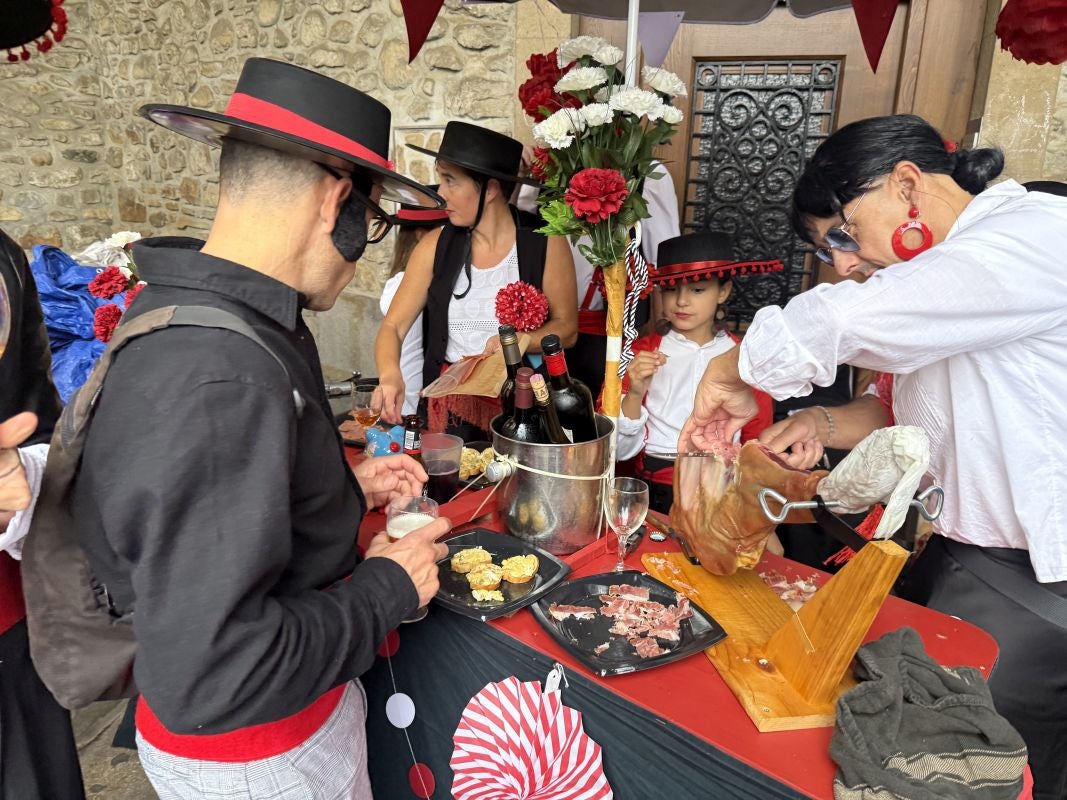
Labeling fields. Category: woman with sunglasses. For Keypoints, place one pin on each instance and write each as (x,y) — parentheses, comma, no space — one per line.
(965,303)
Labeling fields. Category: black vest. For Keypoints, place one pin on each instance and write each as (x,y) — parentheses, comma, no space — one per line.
(447,266)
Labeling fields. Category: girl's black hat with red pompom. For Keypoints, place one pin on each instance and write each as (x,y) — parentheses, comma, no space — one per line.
(40,23)
(708,255)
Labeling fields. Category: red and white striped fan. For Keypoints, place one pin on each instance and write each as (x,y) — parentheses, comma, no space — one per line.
(516,743)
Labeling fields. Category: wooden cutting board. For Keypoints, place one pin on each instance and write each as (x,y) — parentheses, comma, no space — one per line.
(787,668)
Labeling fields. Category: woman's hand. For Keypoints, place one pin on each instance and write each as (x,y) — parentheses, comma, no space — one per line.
(642,369)
(14,489)
(392,389)
(797,439)
(722,406)
(384,477)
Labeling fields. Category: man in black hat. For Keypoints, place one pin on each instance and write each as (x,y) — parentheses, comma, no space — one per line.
(214,495)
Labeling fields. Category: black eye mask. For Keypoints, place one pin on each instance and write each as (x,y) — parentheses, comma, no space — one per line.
(350,231)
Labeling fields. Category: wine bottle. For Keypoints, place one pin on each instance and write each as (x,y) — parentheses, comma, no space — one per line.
(546,411)
(412,437)
(571,397)
(509,342)
(523,425)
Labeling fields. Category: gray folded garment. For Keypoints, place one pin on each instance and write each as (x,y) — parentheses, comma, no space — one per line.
(914,729)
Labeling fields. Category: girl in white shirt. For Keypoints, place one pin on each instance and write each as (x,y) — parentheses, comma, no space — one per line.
(692,277)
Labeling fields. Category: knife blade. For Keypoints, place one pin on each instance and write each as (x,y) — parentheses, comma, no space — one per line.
(663,526)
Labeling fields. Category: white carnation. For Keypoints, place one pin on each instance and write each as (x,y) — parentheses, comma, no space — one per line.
(127,272)
(605,94)
(581,79)
(672,115)
(663,81)
(558,130)
(122,238)
(596,114)
(637,102)
(573,49)
(608,55)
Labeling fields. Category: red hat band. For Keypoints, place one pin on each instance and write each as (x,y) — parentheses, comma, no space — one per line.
(693,271)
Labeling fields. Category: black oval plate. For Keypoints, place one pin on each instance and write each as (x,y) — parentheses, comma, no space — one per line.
(455,592)
(581,637)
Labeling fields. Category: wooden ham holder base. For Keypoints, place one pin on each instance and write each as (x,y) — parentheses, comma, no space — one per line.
(787,668)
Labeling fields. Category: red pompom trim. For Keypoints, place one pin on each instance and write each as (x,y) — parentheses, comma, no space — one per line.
(43,43)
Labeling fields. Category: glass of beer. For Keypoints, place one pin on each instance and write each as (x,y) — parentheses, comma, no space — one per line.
(404,515)
(366,404)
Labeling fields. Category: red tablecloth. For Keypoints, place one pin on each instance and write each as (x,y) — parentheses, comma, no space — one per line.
(690,692)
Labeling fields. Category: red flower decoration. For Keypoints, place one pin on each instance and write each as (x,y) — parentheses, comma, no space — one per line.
(108,283)
(539,162)
(539,91)
(133,291)
(1034,31)
(595,194)
(105,320)
(522,305)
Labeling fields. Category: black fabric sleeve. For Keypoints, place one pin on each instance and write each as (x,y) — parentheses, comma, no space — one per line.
(25,368)
(195,498)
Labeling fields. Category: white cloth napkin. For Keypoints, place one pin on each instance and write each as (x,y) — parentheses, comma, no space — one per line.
(885,467)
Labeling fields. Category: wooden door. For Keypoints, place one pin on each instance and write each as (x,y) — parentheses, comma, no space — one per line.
(762,97)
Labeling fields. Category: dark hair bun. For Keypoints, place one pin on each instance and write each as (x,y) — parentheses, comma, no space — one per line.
(976,168)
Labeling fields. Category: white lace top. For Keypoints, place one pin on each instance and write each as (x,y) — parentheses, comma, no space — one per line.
(472,319)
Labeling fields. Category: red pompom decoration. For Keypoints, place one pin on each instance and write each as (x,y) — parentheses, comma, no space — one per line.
(1034,31)
(105,320)
(108,283)
(595,194)
(133,291)
(521,305)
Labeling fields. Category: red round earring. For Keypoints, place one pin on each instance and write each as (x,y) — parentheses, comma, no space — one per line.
(903,252)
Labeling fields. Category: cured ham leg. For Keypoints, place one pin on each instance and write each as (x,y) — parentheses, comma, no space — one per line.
(716,503)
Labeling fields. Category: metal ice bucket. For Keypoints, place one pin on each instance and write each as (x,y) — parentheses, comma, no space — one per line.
(557,514)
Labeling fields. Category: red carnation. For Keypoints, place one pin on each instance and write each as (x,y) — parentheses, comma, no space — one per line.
(539,163)
(108,283)
(521,305)
(595,194)
(539,90)
(105,320)
(132,292)
(544,65)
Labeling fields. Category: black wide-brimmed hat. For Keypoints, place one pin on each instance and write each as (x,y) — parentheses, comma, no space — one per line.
(481,150)
(297,111)
(704,256)
(23,22)
(409,216)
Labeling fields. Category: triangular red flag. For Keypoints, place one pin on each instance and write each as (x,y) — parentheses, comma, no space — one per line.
(875,18)
(419,17)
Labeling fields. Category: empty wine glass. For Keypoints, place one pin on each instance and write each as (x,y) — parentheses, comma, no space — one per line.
(625,506)
(5,315)
(366,404)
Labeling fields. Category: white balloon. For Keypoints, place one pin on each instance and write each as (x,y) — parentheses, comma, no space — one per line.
(400,710)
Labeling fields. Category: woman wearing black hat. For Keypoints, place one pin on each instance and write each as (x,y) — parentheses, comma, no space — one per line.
(964,305)
(453,276)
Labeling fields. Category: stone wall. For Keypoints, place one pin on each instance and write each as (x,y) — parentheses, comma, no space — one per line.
(76,163)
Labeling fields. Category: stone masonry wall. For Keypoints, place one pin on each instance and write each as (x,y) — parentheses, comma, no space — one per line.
(77,163)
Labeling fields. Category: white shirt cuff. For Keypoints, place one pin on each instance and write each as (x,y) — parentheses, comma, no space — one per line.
(631,435)
(33,460)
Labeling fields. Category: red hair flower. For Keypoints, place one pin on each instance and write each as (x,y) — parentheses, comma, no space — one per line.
(133,291)
(105,320)
(108,283)
(595,194)
(522,305)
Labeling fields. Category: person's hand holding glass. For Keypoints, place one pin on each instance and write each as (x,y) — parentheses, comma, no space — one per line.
(404,515)
(625,507)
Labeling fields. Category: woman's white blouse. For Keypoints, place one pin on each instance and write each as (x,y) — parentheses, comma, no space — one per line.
(975,331)
(472,319)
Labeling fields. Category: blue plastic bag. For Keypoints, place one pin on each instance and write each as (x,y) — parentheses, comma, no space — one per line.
(69,309)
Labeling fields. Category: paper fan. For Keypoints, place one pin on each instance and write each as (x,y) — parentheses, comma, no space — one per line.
(515,742)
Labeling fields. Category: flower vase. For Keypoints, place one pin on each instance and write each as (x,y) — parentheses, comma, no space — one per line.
(614,299)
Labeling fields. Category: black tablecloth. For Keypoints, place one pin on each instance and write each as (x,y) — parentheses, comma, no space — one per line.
(443,661)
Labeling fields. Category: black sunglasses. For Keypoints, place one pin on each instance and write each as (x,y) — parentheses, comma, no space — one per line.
(838,238)
(381,223)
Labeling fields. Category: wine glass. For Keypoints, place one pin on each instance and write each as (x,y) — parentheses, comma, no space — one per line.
(5,315)
(625,506)
(366,404)
(402,516)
